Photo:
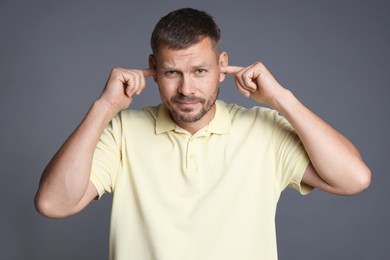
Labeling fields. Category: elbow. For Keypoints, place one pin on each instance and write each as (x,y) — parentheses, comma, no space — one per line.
(43,207)
(365,179)
(360,183)
(47,208)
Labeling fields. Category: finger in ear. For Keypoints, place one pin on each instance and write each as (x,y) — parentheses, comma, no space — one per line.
(223,62)
(153,65)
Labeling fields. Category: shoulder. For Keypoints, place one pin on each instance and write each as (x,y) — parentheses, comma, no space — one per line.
(136,118)
(145,114)
(257,114)
(257,119)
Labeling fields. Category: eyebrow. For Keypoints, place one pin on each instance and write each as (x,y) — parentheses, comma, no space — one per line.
(172,67)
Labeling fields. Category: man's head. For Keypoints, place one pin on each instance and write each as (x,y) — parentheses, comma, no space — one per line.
(187,58)
(183,28)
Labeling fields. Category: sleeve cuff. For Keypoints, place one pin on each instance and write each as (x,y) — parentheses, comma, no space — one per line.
(297,183)
(98,185)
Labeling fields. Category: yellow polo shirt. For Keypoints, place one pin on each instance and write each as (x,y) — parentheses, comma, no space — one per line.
(207,196)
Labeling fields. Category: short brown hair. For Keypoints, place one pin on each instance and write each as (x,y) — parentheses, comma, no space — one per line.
(184,27)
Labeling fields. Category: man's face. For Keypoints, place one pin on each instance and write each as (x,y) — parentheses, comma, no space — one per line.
(188,81)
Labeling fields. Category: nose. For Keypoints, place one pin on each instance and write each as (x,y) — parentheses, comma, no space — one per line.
(187,86)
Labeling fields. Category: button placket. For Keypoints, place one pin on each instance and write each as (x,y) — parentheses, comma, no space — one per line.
(191,156)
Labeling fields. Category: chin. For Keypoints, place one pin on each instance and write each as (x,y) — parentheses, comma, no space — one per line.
(187,117)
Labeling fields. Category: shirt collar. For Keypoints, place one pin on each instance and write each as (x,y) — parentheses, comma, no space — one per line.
(220,124)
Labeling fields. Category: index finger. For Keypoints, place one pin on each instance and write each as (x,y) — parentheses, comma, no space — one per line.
(231,69)
(148,72)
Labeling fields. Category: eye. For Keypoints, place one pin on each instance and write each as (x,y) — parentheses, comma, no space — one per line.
(170,73)
(200,71)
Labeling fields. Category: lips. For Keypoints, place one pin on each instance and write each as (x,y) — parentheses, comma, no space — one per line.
(186,103)
(187,106)
(187,100)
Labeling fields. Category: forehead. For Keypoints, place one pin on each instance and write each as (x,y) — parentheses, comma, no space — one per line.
(199,54)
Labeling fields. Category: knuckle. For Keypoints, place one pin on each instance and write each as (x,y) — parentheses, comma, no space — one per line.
(116,70)
(259,64)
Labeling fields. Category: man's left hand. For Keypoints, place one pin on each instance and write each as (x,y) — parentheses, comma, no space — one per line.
(257,82)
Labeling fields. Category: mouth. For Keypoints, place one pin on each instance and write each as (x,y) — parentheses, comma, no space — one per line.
(186,102)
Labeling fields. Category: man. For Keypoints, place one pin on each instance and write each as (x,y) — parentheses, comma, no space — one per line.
(195,178)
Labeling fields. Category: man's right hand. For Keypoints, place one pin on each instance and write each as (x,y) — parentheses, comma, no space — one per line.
(122,84)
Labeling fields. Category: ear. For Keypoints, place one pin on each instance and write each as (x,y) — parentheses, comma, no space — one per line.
(153,65)
(223,62)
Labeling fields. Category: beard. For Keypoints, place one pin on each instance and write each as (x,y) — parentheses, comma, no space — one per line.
(189,115)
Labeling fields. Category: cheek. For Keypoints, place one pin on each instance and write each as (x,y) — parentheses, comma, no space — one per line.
(167,86)
(210,83)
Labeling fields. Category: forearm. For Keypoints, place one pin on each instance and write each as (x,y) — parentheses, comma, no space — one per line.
(335,159)
(65,180)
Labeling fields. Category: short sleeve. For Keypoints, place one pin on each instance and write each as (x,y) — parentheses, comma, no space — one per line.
(106,158)
(291,158)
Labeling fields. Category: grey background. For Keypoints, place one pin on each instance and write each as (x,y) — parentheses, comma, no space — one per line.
(55,57)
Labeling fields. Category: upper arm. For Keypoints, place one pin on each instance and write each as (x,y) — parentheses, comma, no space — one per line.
(52,209)
(344,186)
(312,178)
(90,194)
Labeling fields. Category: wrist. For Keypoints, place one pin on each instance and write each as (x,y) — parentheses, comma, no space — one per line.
(283,101)
(102,109)
(106,109)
